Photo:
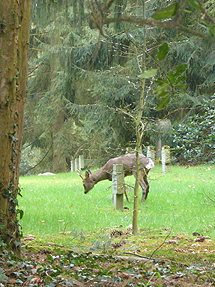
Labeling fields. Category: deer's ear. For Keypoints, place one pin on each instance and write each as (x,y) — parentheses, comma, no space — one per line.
(89,172)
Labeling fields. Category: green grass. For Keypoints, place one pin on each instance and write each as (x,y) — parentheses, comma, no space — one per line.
(182,200)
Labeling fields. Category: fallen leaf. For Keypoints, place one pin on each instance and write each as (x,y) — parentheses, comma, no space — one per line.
(29,238)
(180,250)
(125,275)
(125,283)
(36,280)
(200,239)
(76,282)
(171,242)
(196,234)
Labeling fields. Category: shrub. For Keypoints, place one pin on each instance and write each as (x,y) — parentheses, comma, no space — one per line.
(194,141)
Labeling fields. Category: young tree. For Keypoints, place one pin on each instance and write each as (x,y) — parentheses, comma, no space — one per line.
(172,16)
(139,131)
(14,42)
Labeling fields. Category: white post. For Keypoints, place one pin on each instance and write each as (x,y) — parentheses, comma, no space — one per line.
(163,160)
(118,186)
(165,157)
(76,164)
(151,153)
(72,165)
(81,161)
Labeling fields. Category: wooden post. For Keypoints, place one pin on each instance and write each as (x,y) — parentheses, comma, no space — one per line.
(118,186)
(81,161)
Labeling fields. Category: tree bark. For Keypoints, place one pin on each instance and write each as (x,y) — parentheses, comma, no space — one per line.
(59,160)
(14,44)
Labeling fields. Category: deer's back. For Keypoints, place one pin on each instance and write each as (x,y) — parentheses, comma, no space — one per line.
(128,161)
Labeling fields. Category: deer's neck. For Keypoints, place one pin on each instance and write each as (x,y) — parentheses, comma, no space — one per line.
(100,175)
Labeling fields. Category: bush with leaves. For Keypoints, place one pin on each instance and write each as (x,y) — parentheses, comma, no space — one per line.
(194,141)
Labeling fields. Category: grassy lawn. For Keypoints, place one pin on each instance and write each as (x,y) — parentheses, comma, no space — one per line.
(182,201)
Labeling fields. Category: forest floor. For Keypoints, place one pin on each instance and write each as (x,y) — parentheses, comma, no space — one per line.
(156,259)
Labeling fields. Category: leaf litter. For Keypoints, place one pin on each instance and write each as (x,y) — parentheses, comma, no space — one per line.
(151,259)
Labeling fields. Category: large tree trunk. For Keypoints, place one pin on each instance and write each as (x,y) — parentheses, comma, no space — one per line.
(14,43)
(59,160)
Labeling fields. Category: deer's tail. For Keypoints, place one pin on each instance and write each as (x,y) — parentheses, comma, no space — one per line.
(150,164)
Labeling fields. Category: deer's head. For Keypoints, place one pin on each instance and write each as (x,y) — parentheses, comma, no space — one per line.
(88,182)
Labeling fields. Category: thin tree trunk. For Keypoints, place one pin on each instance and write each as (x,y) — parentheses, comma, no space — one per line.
(14,43)
(139,131)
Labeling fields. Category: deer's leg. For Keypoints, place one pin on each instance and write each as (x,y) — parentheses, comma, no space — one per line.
(146,185)
(143,185)
(126,195)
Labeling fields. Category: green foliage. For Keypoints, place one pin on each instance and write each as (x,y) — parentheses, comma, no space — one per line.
(194,141)
(194,4)
(3,277)
(163,51)
(164,13)
(148,74)
(62,267)
(171,84)
(200,60)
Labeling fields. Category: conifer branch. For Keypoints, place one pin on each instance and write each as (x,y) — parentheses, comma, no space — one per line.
(205,13)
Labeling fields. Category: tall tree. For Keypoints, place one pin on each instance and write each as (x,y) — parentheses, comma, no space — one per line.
(14,43)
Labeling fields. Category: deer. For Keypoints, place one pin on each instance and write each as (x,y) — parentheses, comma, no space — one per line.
(129,167)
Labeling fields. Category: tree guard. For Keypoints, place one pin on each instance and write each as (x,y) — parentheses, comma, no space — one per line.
(81,161)
(151,153)
(165,157)
(118,186)
(72,165)
(76,164)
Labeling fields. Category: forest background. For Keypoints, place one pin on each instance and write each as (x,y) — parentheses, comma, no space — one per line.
(84,84)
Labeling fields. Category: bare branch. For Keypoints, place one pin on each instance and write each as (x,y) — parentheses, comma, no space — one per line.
(100,19)
(160,245)
(180,6)
(169,24)
(95,19)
